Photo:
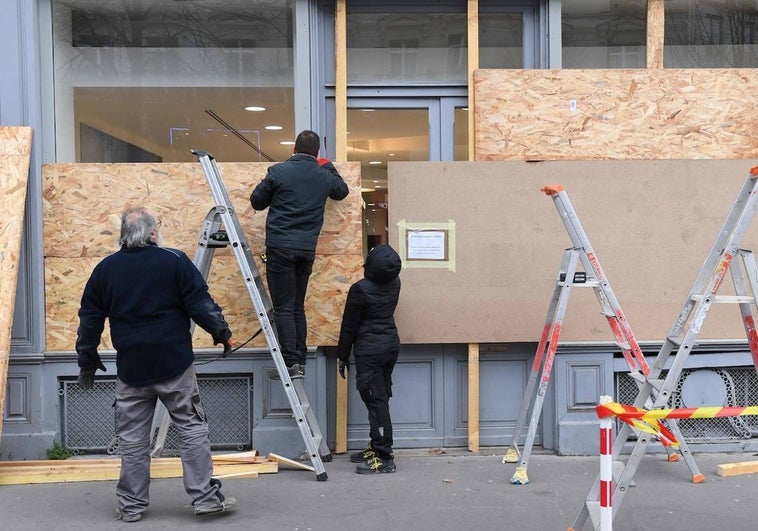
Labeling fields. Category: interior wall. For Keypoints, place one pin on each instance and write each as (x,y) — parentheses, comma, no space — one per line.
(81,221)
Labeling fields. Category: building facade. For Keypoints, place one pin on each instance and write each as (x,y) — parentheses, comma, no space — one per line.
(146,81)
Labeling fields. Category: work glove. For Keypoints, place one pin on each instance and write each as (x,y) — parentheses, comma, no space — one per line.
(321,161)
(225,338)
(86,379)
(343,367)
(227,348)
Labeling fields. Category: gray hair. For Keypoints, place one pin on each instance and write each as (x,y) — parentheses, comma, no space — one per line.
(137,227)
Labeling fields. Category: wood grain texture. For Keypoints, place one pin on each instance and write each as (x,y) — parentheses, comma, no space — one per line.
(616,114)
(82,204)
(15,153)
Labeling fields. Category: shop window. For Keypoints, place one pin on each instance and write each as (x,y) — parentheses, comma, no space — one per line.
(713,34)
(153,79)
(604,35)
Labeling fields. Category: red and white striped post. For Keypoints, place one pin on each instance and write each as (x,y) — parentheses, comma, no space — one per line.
(606,468)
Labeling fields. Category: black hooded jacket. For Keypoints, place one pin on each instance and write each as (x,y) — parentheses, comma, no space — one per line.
(368,322)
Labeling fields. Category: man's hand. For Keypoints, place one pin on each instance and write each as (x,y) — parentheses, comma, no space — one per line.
(86,378)
(227,348)
(321,161)
(225,338)
(343,367)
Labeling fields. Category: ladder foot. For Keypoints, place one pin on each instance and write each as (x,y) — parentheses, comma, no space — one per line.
(698,478)
(326,458)
(321,477)
(511,456)
(673,458)
(520,477)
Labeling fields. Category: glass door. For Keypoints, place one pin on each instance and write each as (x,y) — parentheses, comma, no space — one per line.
(387,129)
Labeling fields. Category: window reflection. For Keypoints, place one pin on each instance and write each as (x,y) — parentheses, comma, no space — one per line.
(714,34)
(390,46)
(143,80)
(613,36)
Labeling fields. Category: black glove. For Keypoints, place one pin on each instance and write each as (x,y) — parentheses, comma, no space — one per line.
(227,348)
(343,367)
(86,379)
(225,337)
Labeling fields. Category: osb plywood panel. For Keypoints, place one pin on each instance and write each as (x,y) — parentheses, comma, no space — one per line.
(616,114)
(15,151)
(651,224)
(81,214)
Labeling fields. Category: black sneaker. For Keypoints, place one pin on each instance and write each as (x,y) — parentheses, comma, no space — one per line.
(363,455)
(296,371)
(376,465)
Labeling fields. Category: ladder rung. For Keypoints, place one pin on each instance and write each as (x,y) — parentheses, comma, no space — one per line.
(734,299)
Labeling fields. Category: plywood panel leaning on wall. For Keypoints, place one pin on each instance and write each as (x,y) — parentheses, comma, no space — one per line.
(15,151)
(650,222)
(82,204)
(616,114)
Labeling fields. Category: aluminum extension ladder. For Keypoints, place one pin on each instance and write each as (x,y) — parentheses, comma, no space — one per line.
(222,228)
(592,276)
(683,334)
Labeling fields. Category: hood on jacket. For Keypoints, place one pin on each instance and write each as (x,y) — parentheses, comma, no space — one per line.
(382,264)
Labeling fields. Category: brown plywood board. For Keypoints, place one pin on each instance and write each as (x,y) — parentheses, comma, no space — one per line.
(651,224)
(616,114)
(81,214)
(15,152)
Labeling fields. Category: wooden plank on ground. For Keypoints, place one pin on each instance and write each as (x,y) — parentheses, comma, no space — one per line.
(737,469)
(73,470)
(290,462)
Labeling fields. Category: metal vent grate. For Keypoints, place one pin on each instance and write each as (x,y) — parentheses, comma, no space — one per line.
(88,414)
(737,386)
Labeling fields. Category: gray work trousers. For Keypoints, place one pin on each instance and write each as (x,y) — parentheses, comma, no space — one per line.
(135,407)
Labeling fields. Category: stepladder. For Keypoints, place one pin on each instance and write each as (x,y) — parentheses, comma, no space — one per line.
(579,268)
(221,228)
(725,259)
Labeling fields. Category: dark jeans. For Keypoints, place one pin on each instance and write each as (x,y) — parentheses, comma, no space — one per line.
(287,274)
(373,379)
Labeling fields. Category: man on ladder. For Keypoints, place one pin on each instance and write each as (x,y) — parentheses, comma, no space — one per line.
(295,192)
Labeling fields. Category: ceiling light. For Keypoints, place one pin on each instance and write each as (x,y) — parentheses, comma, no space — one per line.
(375,162)
(368,110)
(287,143)
(274,127)
(255,108)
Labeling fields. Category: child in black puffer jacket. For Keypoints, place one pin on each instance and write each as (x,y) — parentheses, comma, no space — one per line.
(368,330)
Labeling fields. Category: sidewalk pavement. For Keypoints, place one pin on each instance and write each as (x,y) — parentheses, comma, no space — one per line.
(431,490)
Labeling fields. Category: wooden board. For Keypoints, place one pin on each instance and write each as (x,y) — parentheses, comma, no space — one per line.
(81,220)
(651,224)
(291,462)
(15,153)
(580,114)
(737,469)
(73,470)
